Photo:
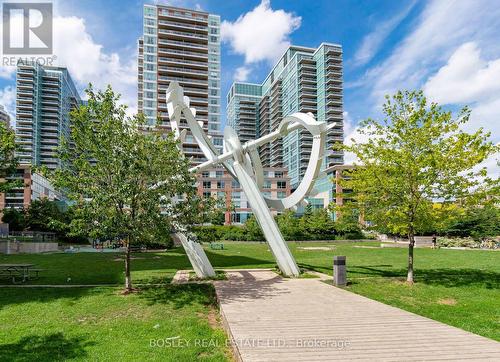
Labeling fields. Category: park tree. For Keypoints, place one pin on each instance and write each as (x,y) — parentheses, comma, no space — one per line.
(417,154)
(8,159)
(253,231)
(15,218)
(289,225)
(317,224)
(126,184)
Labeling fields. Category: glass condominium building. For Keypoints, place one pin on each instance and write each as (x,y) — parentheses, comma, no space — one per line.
(45,95)
(181,45)
(305,80)
(243,109)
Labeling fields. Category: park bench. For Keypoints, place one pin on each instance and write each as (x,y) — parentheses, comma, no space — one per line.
(36,272)
(217,246)
(19,271)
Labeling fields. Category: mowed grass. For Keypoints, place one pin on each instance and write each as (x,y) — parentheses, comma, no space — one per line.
(457,287)
(101,324)
(101,268)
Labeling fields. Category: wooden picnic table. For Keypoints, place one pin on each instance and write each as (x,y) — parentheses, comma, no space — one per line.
(16,270)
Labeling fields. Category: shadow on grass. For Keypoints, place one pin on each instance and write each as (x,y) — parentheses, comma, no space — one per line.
(446,277)
(69,296)
(179,296)
(52,347)
(219,260)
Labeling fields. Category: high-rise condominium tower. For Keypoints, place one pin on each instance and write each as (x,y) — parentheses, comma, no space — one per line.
(303,80)
(181,45)
(44,97)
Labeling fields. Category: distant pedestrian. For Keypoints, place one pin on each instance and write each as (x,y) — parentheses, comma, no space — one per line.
(434,241)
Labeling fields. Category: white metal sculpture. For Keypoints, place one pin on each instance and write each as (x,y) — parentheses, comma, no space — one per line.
(243,163)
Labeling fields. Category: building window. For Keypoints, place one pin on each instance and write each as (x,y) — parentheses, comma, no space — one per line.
(267,184)
(235,184)
(220,184)
(281,195)
(219,174)
(207,184)
(236,217)
(278,174)
(282,184)
(205,174)
(207,195)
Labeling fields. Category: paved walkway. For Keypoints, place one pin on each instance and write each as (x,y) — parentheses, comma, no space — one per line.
(276,319)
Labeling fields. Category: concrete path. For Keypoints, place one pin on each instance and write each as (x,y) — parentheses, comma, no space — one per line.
(274,319)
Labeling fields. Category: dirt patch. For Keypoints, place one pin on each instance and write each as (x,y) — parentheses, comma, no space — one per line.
(447,301)
(212,318)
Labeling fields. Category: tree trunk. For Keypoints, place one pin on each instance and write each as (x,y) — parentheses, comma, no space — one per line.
(128,280)
(411,245)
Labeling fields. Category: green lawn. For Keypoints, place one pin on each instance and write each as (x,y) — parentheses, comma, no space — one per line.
(100,324)
(460,288)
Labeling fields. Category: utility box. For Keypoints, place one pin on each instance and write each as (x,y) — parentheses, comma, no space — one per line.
(339,271)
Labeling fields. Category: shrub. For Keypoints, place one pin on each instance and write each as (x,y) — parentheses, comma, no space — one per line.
(458,242)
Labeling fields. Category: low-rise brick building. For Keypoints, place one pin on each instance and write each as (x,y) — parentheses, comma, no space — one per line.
(220,184)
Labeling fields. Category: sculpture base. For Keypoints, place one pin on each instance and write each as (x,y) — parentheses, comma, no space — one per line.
(197,257)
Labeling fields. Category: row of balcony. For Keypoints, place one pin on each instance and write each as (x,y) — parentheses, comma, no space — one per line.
(182,25)
(185,16)
(182,34)
(192,63)
(183,80)
(183,44)
(183,70)
(185,53)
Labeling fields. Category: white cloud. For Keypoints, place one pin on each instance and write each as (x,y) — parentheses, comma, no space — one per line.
(242,74)
(8,100)
(469,79)
(465,78)
(88,63)
(440,29)
(371,43)
(261,34)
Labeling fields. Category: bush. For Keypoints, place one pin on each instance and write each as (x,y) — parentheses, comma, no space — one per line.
(458,242)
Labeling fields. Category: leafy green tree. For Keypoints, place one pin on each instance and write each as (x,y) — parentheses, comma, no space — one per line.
(125,183)
(479,222)
(317,225)
(8,159)
(41,214)
(253,230)
(289,225)
(15,218)
(417,154)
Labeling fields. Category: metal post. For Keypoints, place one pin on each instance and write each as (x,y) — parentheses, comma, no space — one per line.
(339,271)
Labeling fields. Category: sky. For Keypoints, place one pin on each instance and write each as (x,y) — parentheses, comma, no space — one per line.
(449,49)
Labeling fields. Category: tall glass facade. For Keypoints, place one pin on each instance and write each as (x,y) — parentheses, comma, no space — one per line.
(307,80)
